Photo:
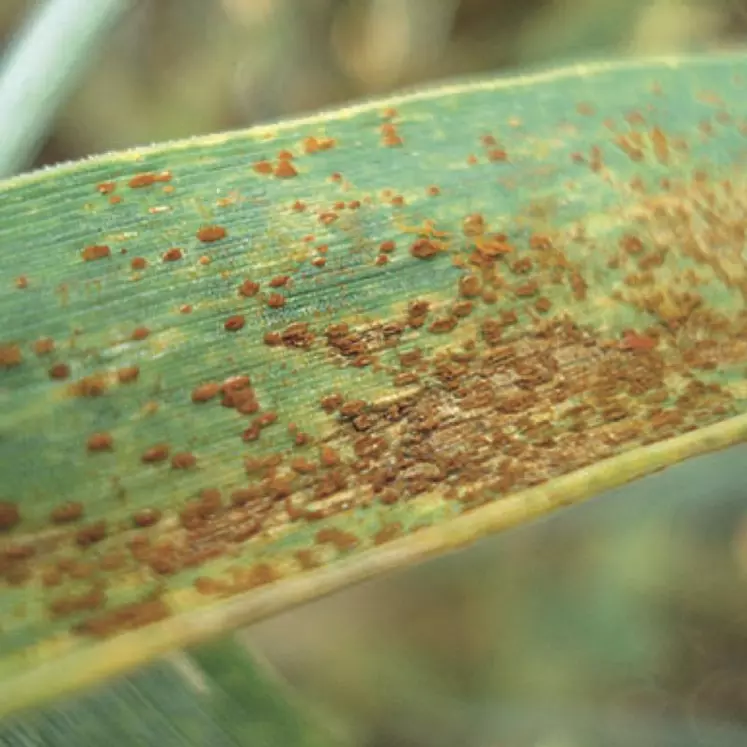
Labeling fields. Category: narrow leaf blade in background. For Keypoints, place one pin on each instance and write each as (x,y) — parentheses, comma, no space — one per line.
(216,695)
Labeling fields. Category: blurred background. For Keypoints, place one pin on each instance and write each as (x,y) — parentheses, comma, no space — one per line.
(622,622)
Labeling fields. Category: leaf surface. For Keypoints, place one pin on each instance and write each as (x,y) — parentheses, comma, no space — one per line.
(241,371)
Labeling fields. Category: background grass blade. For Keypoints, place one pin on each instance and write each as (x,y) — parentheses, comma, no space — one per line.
(241,371)
(42,67)
(216,694)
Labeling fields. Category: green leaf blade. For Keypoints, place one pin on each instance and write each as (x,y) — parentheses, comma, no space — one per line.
(603,337)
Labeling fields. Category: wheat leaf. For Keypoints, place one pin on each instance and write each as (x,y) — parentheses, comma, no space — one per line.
(241,371)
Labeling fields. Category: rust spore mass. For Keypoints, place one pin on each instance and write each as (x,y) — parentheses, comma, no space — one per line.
(128,374)
(146,517)
(10,515)
(67,512)
(276,300)
(172,255)
(155,454)
(91,534)
(183,460)
(10,355)
(100,442)
(284,169)
(234,323)
(95,251)
(424,249)
(58,371)
(205,392)
(209,234)
(248,289)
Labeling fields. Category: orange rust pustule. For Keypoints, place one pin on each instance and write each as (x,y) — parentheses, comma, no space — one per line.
(44,346)
(10,515)
(284,169)
(91,534)
(172,255)
(156,454)
(263,167)
(634,341)
(94,385)
(146,517)
(209,234)
(315,144)
(234,323)
(248,289)
(276,300)
(205,392)
(328,457)
(10,355)
(390,138)
(98,442)
(95,251)
(497,154)
(144,179)
(424,249)
(59,371)
(298,335)
(183,460)
(128,374)
(470,286)
(66,513)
